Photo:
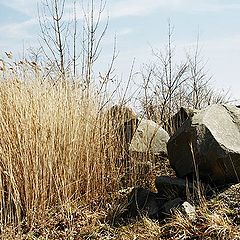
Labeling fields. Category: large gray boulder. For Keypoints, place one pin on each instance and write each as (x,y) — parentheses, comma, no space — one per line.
(135,135)
(149,138)
(208,142)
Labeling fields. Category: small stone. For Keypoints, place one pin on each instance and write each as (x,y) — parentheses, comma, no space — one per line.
(189,210)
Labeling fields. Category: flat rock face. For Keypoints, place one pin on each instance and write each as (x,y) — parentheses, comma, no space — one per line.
(149,137)
(208,142)
(223,122)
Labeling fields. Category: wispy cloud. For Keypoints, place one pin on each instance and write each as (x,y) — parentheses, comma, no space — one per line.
(27,7)
(15,34)
(124,32)
(137,7)
(125,8)
(207,5)
(18,30)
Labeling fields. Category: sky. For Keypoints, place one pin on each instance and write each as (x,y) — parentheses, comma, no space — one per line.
(142,25)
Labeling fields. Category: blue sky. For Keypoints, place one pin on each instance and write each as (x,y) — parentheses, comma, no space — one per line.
(142,24)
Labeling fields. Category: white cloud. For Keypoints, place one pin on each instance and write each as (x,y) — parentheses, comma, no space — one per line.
(27,7)
(207,5)
(124,32)
(138,7)
(15,36)
(18,30)
(123,8)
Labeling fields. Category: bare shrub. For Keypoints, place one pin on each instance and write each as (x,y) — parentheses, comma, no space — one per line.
(168,86)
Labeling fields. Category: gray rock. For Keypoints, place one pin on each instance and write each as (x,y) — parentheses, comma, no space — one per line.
(142,201)
(149,138)
(178,204)
(209,143)
(177,120)
(170,205)
(134,136)
(172,187)
(121,122)
(189,210)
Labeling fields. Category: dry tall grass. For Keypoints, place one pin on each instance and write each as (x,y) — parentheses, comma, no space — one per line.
(55,150)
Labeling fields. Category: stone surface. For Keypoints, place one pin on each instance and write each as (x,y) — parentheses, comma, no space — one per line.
(172,187)
(178,204)
(149,138)
(189,210)
(120,123)
(208,142)
(170,205)
(143,202)
(177,120)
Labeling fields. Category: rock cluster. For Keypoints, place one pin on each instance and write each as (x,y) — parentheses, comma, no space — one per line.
(136,136)
(172,194)
(204,147)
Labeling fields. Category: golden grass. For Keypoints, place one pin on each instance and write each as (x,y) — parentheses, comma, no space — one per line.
(211,222)
(55,150)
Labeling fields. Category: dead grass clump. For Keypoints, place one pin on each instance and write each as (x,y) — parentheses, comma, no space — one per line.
(54,151)
(211,222)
